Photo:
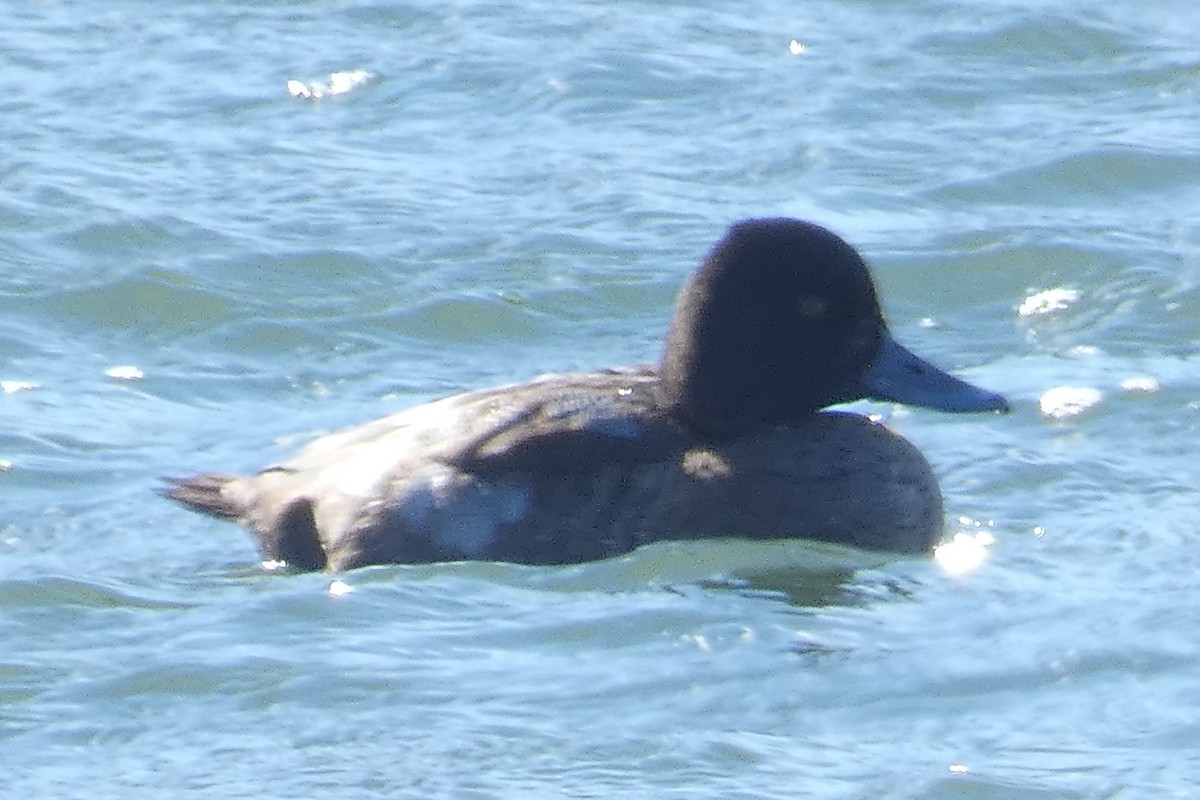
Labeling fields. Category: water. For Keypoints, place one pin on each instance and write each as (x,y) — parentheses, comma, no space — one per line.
(521,188)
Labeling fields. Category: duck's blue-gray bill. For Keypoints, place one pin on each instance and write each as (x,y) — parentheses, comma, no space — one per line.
(900,376)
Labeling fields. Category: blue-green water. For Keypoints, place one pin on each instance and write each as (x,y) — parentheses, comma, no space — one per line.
(521,188)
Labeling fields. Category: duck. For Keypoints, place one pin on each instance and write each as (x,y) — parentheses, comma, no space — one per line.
(729,435)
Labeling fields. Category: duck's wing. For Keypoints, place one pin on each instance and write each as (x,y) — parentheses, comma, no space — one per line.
(563,423)
(559,421)
(375,493)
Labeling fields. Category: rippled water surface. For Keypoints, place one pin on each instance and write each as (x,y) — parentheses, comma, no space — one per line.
(204,265)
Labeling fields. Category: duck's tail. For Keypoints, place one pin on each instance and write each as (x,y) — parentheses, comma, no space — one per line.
(206,494)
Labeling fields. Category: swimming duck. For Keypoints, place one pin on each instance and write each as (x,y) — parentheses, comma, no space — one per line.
(724,437)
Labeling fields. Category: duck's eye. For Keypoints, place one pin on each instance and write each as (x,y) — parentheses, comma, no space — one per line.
(813,306)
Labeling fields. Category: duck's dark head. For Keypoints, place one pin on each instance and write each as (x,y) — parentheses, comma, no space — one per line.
(780,320)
